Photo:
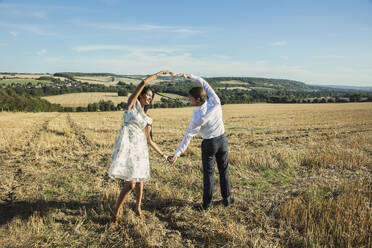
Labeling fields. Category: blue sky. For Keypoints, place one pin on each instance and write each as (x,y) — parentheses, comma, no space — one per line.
(314,41)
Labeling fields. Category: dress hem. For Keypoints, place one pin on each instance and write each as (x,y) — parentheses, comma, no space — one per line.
(129,179)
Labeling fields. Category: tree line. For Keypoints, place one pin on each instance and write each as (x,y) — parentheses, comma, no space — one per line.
(10,100)
(249,90)
(26,97)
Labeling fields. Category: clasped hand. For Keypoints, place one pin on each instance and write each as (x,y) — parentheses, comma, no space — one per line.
(170,159)
(184,75)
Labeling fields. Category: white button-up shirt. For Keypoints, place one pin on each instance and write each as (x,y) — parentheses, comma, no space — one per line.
(207,118)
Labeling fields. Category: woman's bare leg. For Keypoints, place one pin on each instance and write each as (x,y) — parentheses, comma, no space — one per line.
(128,187)
(139,193)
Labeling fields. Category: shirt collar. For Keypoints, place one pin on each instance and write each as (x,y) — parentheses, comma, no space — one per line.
(201,107)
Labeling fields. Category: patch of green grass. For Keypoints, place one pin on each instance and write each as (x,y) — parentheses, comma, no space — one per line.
(57,186)
(227,127)
(281,177)
(259,128)
(265,180)
(261,185)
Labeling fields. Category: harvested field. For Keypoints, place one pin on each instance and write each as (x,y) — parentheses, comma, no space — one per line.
(301,177)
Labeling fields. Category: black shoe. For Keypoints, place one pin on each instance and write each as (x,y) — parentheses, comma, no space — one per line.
(200,207)
(228,201)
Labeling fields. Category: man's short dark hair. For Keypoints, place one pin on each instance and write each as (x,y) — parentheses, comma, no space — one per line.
(198,92)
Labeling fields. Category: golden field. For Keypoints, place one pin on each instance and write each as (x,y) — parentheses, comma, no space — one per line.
(83,99)
(29,76)
(301,177)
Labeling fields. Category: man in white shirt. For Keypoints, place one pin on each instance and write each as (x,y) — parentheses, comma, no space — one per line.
(207,118)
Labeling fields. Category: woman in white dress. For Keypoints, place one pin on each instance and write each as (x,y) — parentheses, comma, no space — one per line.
(130,159)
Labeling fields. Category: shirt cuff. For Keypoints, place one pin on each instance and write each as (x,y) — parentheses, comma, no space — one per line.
(192,76)
(177,153)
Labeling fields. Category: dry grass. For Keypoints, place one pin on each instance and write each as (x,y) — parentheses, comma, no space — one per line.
(339,217)
(83,99)
(301,177)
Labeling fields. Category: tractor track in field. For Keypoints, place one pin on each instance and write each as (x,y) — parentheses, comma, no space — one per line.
(18,155)
(25,160)
(79,133)
(89,151)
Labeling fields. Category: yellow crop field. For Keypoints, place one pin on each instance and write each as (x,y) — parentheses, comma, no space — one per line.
(83,99)
(301,176)
(29,76)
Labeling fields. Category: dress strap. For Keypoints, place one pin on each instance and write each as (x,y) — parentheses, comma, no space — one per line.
(145,116)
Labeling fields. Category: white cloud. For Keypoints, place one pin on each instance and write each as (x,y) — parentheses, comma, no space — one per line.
(28,28)
(186,31)
(146,60)
(42,52)
(23,11)
(39,14)
(89,48)
(279,43)
(110,1)
(144,63)
(329,56)
(54,59)
(34,29)
(130,49)
(14,33)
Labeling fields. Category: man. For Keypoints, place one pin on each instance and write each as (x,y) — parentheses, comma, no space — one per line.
(207,118)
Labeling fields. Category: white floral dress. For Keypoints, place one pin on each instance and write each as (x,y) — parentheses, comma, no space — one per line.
(130,159)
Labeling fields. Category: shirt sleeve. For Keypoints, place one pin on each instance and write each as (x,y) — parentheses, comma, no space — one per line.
(212,96)
(148,120)
(191,131)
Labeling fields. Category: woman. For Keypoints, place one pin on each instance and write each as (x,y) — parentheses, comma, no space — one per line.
(130,159)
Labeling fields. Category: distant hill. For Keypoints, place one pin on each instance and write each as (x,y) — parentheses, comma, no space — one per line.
(230,89)
(359,88)
(248,83)
(262,84)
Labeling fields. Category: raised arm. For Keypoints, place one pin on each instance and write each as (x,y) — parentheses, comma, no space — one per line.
(133,98)
(212,96)
(191,131)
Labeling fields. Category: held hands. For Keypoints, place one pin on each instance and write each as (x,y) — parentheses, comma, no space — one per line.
(164,73)
(165,157)
(172,159)
(154,76)
(183,75)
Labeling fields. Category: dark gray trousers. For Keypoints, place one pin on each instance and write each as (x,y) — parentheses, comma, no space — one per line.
(215,149)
